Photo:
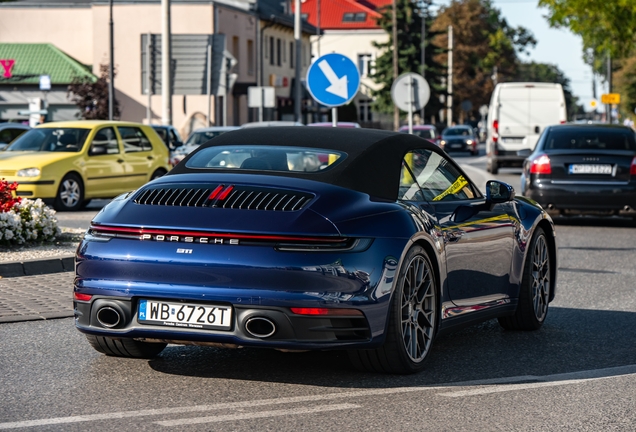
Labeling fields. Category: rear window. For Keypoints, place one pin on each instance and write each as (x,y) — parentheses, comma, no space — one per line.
(590,139)
(424,133)
(265,158)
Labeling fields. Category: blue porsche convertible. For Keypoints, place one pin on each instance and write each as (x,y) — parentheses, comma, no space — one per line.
(310,239)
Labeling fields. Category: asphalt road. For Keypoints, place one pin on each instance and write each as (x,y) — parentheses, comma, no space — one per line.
(577,373)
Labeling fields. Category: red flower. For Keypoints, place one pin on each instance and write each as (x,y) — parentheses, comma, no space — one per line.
(7,196)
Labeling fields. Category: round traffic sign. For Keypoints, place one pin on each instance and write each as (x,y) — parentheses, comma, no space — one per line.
(410,92)
(333,80)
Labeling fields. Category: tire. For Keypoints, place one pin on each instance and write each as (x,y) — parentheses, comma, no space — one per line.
(534,293)
(129,348)
(493,168)
(159,173)
(413,318)
(70,194)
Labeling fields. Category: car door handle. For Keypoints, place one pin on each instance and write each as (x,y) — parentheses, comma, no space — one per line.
(150,158)
(120,160)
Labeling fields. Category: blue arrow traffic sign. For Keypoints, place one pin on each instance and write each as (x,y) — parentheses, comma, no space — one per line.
(333,80)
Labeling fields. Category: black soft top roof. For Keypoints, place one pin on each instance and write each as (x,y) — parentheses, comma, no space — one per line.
(373,162)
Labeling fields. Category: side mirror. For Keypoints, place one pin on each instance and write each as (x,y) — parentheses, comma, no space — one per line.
(499,192)
(524,153)
(537,129)
(97,150)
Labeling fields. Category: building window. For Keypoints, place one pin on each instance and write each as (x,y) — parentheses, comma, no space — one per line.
(354,17)
(291,54)
(250,57)
(236,52)
(304,17)
(365,64)
(364,111)
(271,50)
(278,52)
(265,50)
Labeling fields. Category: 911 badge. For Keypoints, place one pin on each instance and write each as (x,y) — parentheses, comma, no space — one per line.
(184,251)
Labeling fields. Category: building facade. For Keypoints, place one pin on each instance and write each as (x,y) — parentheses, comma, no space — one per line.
(80,29)
(349,27)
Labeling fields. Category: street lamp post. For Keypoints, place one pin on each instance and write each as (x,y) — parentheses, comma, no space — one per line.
(111,67)
(297,34)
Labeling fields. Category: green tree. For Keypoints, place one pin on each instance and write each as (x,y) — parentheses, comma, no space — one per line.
(409,45)
(482,41)
(543,72)
(91,96)
(606,26)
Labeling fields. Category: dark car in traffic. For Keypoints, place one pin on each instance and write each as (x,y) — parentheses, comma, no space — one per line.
(583,169)
(169,135)
(377,251)
(459,138)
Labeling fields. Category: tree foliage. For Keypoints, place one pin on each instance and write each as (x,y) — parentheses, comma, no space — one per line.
(543,72)
(606,26)
(482,40)
(91,96)
(409,38)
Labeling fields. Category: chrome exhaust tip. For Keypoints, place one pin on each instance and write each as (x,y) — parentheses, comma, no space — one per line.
(260,327)
(109,317)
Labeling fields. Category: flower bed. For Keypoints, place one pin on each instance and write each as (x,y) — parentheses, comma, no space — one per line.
(23,220)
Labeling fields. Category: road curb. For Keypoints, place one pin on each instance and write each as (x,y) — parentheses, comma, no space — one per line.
(37,266)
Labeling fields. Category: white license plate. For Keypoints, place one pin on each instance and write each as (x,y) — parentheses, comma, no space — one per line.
(590,169)
(456,145)
(513,140)
(198,316)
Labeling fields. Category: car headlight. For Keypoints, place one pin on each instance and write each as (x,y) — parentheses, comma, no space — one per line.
(469,142)
(442,142)
(28,172)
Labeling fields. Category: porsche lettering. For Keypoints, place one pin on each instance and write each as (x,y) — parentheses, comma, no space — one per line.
(189,239)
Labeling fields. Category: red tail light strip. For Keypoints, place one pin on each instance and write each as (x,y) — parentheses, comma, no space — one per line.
(180,233)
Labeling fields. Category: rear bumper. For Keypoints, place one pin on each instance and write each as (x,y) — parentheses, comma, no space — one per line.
(255,281)
(617,198)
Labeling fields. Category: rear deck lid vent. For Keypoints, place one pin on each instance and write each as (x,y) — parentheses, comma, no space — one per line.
(225,196)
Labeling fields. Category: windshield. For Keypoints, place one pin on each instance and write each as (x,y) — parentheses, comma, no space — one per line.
(265,158)
(50,140)
(458,132)
(198,138)
(590,139)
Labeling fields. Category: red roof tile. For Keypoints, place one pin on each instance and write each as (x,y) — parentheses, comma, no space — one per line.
(332,13)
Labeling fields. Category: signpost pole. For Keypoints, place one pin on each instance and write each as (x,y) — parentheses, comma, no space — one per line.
(209,83)
(411,102)
(261,107)
(334,117)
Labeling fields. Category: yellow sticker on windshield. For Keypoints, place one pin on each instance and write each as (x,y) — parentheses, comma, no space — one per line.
(459,184)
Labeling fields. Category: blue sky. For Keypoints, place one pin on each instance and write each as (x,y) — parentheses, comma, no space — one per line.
(556,46)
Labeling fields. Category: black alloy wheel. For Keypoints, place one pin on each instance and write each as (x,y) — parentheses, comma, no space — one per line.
(412,320)
(536,285)
(70,194)
(129,348)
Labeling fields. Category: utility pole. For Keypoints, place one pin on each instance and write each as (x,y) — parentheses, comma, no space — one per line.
(396,112)
(449,99)
(423,59)
(111,67)
(297,34)
(148,78)
(318,27)
(166,82)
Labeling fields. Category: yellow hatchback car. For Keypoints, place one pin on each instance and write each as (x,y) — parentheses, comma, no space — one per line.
(69,163)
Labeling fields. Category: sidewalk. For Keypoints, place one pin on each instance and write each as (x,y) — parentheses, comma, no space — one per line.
(30,298)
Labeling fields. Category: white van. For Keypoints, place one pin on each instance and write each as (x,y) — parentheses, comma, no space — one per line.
(518,113)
